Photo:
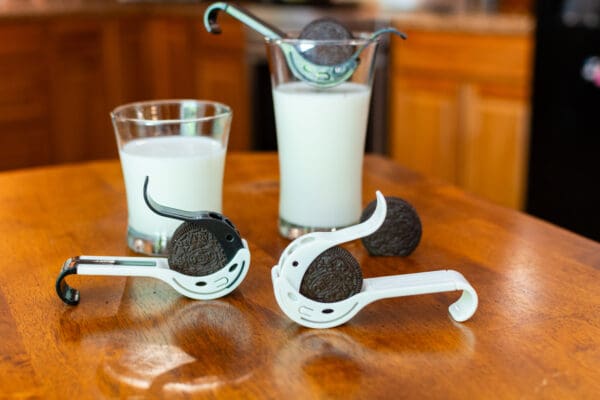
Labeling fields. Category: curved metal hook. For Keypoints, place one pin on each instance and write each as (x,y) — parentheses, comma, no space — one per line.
(210,17)
(241,14)
(394,31)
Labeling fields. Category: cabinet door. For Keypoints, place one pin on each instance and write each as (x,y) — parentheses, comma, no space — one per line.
(168,57)
(494,145)
(24,131)
(80,112)
(222,74)
(460,110)
(424,122)
(222,78)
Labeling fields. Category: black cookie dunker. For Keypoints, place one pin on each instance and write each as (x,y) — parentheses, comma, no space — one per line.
(195,251)
(327,29)
(400,233)
(333,276)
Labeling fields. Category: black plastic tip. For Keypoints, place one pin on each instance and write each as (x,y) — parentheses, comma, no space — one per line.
(66,293)
(213,26)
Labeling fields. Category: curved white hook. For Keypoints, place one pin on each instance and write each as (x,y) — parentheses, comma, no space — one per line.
(298,255)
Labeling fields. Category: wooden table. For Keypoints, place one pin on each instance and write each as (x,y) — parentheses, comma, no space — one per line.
(536,333)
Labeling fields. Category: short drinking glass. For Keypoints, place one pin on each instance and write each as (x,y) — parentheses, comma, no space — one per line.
(180,145)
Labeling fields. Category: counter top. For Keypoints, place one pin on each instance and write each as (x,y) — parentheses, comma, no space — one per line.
(53,8)
(536,333)
(482,23)
(290,17)
(461,21)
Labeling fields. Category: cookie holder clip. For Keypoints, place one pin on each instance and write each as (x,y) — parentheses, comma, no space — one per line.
(295,259)
(205,287)
(303,69)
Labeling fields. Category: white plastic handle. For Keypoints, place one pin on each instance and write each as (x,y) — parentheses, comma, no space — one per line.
(425,283)
(314,314)
(208,287)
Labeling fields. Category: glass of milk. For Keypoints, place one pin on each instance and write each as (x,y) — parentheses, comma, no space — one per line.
(180,145)
(320,138)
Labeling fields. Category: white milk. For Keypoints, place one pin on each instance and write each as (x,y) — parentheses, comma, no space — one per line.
(320,139)
(186,172)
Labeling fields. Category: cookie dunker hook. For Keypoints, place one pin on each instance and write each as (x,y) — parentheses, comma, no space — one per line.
(241,14)
(207,258)
(328,75)
(314,73)
(288,275)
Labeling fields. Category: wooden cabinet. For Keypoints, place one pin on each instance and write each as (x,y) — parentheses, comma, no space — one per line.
(460,110)
(56,91)
(78,90)
(222,74)
(24,103)
(61,75)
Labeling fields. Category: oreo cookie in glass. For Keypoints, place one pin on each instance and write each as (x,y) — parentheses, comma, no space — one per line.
(326,29)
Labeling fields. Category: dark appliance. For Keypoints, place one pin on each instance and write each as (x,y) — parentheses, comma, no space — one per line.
(564,169)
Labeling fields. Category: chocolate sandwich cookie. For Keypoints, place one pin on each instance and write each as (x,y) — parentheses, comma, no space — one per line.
(194,250)
(327,29)
(333,276)
(400,233)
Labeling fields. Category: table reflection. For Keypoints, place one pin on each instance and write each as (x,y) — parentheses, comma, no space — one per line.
(190,348)
(204,342)
(355,363)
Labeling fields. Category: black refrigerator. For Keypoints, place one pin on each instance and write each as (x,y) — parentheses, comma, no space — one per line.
(564,167)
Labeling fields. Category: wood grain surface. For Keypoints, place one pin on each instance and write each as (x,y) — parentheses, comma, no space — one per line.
(536,333)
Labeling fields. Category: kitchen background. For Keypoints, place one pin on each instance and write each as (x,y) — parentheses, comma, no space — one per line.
(495,96)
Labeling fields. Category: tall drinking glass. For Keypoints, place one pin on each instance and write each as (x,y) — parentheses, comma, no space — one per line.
(320,136)
(180,145)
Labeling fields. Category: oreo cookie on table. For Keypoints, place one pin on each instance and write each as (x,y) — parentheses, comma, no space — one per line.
(400,233)
(327,29)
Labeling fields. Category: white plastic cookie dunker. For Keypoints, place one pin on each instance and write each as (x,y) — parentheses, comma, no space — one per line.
(224,247)
(288,273)
(207,287)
